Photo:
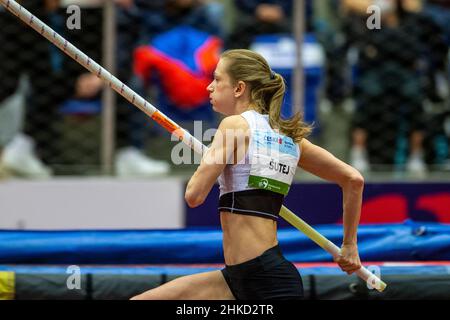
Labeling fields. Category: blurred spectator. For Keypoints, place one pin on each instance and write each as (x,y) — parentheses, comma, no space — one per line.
(183,59)
(434,48)
(12,92)
(259,17)
(439,10)
(330,33)
(53,78)
(162,15)
(433,31)
(394,69)
(140,23)
(17,59)
(130,159)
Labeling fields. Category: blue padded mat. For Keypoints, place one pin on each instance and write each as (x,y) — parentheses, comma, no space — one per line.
(438,268)
(391,242)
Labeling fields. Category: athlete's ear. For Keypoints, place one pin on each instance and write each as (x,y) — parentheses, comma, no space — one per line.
(239,89)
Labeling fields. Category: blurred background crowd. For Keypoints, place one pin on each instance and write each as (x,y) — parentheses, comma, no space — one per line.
(379,97)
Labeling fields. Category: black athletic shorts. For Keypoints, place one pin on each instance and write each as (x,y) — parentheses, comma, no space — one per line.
(269,276)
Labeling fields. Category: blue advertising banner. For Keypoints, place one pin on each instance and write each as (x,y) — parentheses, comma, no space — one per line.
(321,203)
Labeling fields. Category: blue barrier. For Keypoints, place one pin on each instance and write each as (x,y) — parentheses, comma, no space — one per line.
(391,242)
(426,269)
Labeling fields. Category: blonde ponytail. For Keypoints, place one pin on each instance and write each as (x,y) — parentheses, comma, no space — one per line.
(267,91)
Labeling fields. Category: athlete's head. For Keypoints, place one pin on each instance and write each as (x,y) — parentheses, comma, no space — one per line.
(246,74)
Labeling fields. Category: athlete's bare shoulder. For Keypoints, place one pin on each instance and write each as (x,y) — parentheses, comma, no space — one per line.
(234,122)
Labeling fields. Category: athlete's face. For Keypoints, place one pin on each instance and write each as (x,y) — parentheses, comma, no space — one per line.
(221,90)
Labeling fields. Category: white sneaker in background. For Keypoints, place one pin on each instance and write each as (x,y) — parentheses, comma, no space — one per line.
(130,162)
(416,165)
(19,158)
(359,159)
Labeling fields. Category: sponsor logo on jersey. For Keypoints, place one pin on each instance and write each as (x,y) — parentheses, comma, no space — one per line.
(264,183)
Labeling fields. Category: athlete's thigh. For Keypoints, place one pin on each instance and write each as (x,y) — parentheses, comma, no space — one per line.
(202,286)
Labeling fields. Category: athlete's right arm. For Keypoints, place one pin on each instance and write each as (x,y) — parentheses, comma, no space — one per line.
(228,139)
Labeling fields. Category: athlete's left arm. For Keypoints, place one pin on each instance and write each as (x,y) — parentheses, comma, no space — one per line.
(220,153)
(323,164)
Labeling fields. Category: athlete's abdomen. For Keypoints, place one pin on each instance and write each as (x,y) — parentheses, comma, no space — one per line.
(246,237)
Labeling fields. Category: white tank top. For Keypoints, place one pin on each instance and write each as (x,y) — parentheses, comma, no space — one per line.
(235,177)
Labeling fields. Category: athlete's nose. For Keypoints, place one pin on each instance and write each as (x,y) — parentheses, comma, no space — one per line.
(210,87)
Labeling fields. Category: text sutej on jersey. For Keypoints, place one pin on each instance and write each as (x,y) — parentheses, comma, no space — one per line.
(279,167)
